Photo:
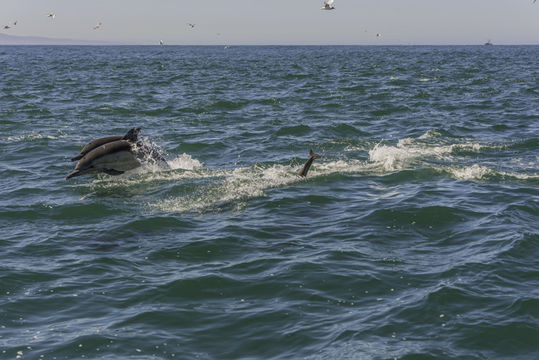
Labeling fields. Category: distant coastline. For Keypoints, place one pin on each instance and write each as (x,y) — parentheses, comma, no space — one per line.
(6,39)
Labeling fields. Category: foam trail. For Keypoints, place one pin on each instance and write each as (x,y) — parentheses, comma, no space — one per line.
(410,150)
(479,172)
(237,185)
(431,150)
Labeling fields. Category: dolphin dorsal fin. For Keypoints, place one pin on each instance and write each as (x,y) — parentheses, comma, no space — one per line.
(132,135)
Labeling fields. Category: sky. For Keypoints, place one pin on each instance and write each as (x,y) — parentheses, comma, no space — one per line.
(263,22)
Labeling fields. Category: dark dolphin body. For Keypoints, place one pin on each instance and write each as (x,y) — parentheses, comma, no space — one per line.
(305,169)
(113,158)
(115,155)
(132,135)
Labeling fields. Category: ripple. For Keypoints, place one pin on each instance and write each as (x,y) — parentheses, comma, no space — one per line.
(297,130)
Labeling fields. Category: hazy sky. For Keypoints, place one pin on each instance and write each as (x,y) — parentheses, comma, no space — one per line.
(277,21)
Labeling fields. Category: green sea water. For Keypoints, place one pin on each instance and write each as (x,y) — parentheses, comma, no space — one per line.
(414,237)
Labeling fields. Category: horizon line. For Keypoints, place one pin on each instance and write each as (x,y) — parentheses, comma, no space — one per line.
(25,40)
(87,43)
(29,40)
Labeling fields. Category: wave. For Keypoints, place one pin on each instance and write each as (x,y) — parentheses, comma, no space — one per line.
(297,130)
(32,137)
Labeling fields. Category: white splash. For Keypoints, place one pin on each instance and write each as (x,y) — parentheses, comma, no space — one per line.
(388,156)
(185,162)
(410,150)
(399,157)
(473,172)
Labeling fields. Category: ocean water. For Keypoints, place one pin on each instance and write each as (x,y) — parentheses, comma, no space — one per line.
(414,237)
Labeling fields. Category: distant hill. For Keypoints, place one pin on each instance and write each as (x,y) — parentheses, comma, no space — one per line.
(6,39)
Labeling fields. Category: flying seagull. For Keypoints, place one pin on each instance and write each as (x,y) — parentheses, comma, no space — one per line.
(98,25)
(7,27)
(51,15)
(161,42)
(328,5)
(15,22)
(191,25)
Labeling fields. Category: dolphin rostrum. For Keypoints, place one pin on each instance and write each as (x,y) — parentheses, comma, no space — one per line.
(305,169)
(132,135)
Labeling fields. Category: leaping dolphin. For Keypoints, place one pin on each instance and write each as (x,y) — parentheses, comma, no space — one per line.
(305,169)
(113,158)
(115,155)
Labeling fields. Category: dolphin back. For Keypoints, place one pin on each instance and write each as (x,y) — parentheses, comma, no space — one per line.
(100,151)
(94,144)
(131,135)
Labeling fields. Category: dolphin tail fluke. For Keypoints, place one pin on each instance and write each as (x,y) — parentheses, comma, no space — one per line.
(305,169)
(313,155)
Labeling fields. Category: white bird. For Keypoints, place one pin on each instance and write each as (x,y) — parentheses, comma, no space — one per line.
(161,42)
(98,25)
(328,5)
(191,25)
(51,15)
(15,22)
(6,27)
(378,35)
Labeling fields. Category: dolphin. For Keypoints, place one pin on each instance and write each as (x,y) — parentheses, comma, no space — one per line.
(305,169)
(131,135)
(115,155)
(113,158)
